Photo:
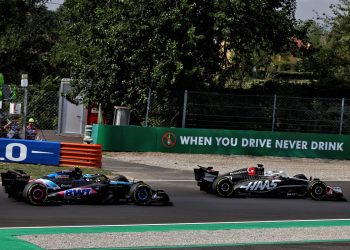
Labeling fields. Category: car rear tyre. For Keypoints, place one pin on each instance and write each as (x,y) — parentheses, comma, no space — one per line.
(141,193)
(35,193)
(223,187)
(317,190)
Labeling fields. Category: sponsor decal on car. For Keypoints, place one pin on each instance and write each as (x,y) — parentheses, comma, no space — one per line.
(62,176)
(66,185)
(261,185)
(78,192)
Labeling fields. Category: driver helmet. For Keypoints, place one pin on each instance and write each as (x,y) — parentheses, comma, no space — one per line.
(77,173)
(31,120)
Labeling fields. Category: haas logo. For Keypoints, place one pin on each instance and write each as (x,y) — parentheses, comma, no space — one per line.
(261,185)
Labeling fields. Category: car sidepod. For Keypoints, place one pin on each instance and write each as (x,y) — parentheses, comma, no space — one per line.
(280,187)
(83,193)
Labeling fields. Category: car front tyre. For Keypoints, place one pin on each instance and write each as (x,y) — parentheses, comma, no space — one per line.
(141,193)
(317,190)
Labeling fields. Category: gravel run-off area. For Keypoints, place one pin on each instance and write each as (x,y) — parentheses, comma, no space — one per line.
(187,238)
(326,169)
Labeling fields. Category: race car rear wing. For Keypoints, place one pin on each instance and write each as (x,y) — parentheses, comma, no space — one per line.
(14,181)
(201,172)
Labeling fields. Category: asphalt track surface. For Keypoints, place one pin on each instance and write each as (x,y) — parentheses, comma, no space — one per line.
(189,206)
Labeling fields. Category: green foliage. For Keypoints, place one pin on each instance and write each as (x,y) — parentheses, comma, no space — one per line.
(116,50)
(340,39)
(27,35)
(255,30)
(329,56)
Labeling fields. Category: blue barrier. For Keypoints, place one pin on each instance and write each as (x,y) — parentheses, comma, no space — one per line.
(26,151)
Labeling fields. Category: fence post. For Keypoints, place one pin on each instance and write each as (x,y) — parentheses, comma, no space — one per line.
(274,112)
(24,85)
(148,106)
(341,115)
(184,110)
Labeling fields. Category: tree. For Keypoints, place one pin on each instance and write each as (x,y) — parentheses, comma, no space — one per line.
(27,36)
(116,50)
(340,39)
(254,31)
(329,58)
(320,51)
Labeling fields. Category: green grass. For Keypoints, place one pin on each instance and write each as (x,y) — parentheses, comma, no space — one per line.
(36,171)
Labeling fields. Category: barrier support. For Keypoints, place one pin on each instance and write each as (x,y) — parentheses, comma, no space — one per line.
(82,155)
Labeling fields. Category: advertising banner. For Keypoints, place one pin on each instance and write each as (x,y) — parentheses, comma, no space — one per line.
(257,143)
(215,141)
(26,151)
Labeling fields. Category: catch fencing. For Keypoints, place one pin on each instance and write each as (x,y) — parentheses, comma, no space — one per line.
(209,110)
(42,106)
(163,110)
(259,112)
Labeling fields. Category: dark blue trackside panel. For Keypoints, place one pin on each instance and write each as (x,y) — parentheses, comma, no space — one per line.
(26,151)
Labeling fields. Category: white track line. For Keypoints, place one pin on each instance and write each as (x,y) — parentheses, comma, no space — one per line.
(175,224)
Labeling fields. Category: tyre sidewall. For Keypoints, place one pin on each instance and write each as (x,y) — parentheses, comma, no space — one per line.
(141,193)
(28,193)
(317,190)
(223,187)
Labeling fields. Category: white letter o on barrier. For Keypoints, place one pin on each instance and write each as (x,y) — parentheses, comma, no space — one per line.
(22,152)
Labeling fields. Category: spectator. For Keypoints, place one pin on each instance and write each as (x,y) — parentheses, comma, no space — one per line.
(31,130)
(13,128)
